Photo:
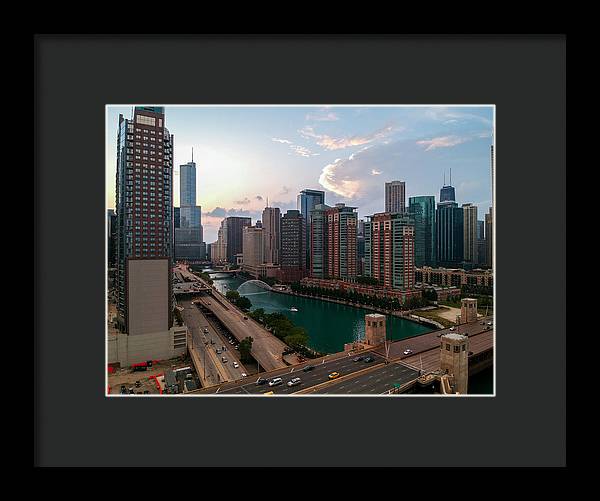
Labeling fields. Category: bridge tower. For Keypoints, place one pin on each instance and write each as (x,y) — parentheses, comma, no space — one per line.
(454,359)
(468,310)
(374,329)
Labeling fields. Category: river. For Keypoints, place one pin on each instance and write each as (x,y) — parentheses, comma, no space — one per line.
(329,325)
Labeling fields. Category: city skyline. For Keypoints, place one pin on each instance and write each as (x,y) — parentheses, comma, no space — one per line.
(246,155)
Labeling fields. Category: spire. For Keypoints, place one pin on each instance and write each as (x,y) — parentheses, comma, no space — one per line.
(444,179)
(192,154)
(450,176)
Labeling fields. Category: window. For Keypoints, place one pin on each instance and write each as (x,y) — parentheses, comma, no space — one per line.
(144,120)
(447,347)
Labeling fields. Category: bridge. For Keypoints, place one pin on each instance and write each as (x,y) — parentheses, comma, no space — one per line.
(257,283)
(389,371)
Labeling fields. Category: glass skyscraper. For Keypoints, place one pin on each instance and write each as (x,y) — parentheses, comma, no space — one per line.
(188,234)
(306,202)
(449,234)
(423,208)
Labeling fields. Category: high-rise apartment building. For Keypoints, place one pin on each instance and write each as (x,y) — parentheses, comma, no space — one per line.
(307,200)
(423,208)
(395,199)
(481,244)
(360,247)
(470,256)
(390,249)
(342,222)
(449,221)
(271,223)
(489,237)
(144,222)
(176,217)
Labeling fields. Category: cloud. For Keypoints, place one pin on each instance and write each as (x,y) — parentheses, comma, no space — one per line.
(285,190)
(277,140)
(332,143)
(216,212)
(245,201)
(258,197)
(442,142)
(375,172)
(333,179)
(322,116)
(302,151)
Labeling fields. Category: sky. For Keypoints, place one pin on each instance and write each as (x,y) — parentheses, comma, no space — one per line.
(246,154)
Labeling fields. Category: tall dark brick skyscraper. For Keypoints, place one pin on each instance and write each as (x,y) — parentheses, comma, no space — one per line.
(144,200)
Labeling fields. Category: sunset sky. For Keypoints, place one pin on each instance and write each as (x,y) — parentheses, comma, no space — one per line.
(246,154)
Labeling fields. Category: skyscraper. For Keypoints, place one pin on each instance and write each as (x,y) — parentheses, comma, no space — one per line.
(318,241)
(395,196)
(144,222)
(253,249)
(292,247)
(271,223)
(111,228)
(481,244)
(390,249)
(189,235)
(233,227)
(470,235)
(449,221)
(176,217)
(306,202)
(489,237)
(424,207)
(342,224)
(447,193)
(360,247)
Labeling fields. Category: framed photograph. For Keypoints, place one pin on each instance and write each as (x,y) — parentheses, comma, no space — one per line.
(252,247)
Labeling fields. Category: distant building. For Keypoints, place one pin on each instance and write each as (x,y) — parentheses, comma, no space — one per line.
(470,256)
(307,200)
(395,196)
(233,228)
(253,250)
(423,208)
(456,277)
(318,241)
(176,217)
(390,249)
(489,238)
(360,247)
(447,193)
(189,238)
(271,223)
(293,266)
(481,244)
(449,234)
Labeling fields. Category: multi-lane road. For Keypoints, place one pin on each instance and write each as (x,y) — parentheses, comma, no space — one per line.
(206,345)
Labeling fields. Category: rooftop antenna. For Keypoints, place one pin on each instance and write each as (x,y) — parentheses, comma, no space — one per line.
(444,178)
(450,176)
(192,154)
(267,201)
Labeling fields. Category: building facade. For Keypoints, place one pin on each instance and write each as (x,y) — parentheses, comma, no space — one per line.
(293,265)
(390,249)
(307,200)
(423,209)
(233,228)
(395,196)
(449,232)
(253,249)
(318,241)
(456,277)
(271,224)
(341,229)
(470,249)
(144,200)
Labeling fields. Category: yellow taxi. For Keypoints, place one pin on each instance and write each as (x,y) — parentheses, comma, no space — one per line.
(268,393)
(334,375)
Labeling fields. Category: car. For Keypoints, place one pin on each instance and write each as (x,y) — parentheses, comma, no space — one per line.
(138,384)
(275,381)
(369,359)
(308,368)
(244,374)
(218,351)
(260,381)
(245,317)
(407,351)
(357,359)
(208,303)
(451,328)
(224,360)
(236,365)
(489,323)
(294,382)
(206,330)
(334,375)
